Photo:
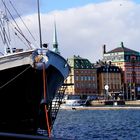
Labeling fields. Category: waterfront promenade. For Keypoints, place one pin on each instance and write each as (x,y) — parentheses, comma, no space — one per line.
(100,106)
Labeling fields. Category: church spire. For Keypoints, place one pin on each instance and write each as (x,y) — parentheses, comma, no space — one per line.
(55,43)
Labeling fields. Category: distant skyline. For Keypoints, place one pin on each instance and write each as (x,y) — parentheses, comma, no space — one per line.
(84,26)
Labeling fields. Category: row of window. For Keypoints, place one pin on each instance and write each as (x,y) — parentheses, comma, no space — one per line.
(112,77)
(115,57)
(119,57)
(130,80)
(84,78)
(137,75)
(114,86)
(83,85)
(112,81)
(135,69)
(85,71)
(111,69)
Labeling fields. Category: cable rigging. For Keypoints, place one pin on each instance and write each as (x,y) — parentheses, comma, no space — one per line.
(16,27)
(22,20)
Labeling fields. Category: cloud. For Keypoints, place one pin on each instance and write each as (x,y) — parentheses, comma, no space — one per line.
(24,7)
(83,30)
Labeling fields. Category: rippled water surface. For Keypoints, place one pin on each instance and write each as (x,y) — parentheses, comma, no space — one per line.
(98,125)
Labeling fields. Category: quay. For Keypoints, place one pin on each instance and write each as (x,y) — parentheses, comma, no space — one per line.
(100,105)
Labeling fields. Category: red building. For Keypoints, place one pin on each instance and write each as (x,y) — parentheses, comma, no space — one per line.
(129,61)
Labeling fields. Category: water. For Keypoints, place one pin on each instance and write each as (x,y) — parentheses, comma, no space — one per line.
(98,125)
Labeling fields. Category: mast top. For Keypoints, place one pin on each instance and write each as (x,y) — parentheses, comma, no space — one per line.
(55,42)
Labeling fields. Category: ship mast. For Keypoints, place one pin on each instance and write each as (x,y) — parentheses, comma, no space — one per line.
(40,36)
(44,77)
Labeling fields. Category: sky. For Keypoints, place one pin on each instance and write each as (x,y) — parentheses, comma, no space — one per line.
(83,26)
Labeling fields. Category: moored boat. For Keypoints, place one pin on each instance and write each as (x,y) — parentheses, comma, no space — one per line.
(29,81)
(21,87)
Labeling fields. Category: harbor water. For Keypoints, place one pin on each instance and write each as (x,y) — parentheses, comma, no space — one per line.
(98,124)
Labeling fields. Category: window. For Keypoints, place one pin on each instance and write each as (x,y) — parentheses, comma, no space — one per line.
(89,78)
(86,78)
(77,78)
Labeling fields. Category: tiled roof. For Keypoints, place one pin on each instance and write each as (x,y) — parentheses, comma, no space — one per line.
(80,63)
(122,49)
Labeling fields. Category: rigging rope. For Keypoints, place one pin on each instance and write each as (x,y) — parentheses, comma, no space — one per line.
(21,40)
(22,20)
(16,25)
(29,43)
(14,77)
(11,16)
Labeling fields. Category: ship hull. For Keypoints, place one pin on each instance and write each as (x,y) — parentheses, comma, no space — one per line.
(22,89)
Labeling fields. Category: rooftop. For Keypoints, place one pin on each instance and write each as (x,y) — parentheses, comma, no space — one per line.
(122,49)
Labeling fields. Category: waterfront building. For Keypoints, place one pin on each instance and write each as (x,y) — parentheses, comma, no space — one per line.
(83,79)
(129,61)
(109,81)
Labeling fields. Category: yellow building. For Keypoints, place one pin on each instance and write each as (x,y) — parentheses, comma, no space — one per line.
(82,79)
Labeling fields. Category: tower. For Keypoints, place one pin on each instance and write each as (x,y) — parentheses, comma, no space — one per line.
(55,43)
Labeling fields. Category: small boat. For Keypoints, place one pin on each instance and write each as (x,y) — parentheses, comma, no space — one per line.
(29,81)
(73,102)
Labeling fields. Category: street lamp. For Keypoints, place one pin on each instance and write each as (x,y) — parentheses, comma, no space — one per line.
(107,85)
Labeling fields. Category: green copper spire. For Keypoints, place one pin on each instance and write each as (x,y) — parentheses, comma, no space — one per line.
(55,43)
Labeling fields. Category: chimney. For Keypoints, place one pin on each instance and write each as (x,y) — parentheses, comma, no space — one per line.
(122,45)
(104,49)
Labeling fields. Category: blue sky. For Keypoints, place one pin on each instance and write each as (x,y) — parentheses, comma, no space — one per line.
(50,5)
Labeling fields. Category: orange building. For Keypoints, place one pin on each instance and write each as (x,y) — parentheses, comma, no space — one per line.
(109,81)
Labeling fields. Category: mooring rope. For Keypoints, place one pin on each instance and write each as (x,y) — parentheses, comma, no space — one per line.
(45,97)
(14,77)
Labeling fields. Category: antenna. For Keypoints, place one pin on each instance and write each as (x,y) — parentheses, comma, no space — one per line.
(39,23)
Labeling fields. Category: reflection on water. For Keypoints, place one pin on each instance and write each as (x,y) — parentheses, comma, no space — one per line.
(98,124)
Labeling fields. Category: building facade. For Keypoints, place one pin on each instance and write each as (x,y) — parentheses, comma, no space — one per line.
(109,81)
(129,61)
(83,79)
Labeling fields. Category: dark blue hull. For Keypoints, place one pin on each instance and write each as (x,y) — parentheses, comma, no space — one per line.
(22,101)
